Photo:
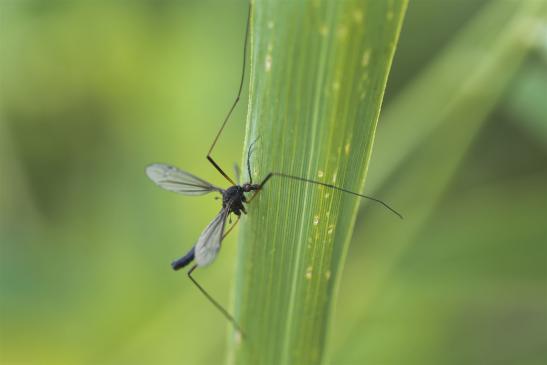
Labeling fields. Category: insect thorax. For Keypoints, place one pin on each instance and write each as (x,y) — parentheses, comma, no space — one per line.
(234,198)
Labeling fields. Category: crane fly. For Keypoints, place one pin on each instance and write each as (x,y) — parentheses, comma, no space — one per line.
(234,199)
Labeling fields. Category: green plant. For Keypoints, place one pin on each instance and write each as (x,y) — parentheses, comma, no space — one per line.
(318,74)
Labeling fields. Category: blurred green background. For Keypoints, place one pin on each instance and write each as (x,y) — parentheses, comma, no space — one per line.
(93,91)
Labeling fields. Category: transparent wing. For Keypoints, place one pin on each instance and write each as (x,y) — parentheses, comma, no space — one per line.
(237,172)
(172,179)
(208,243)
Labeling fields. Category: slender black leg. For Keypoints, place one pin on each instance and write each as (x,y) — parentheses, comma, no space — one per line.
(231,228)
(271,174)
(214,302)
(252,197)
(219,169)
(265,180)
(234,103)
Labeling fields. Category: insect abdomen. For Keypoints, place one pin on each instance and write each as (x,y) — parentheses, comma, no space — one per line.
(183,261)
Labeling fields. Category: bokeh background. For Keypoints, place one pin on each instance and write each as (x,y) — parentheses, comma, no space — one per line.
(93,91)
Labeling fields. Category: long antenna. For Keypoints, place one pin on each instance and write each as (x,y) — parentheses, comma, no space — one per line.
(235,101)
(214,302)
(329,186)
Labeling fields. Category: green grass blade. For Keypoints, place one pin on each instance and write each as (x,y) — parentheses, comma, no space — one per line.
(496,42)
(502,43)
(318,74)
(482,58)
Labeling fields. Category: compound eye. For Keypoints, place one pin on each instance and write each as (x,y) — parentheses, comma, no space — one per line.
(246,188)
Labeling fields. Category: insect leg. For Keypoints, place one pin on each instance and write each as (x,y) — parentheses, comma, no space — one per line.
(264,181)
(272,174)
(231,227)
(252,197)
(219,169)
(214,302)
(234,103)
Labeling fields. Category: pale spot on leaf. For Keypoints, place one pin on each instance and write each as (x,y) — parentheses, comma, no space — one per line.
(268,63)
(309,272)
(358,15)
(324,30)
(365,59)
(315,220)
(342,31)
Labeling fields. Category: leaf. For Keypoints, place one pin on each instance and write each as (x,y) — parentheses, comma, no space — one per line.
(318,74)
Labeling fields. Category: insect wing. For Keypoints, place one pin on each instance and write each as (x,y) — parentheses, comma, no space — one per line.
(172,179)
(208,243)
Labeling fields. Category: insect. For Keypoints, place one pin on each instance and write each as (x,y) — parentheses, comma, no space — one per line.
(234,199)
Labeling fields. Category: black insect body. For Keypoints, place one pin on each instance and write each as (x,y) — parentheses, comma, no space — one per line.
(234,197)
